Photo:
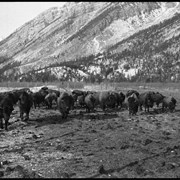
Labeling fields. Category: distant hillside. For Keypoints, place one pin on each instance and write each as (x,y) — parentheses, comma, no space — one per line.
(93,41)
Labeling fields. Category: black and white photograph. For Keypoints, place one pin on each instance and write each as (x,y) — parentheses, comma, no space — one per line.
(89,89)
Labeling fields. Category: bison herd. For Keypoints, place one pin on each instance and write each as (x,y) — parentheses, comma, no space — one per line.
(89,100)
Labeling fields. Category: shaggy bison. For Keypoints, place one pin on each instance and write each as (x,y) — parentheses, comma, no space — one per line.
(89,102)
(78,92)
(54,91)
(78,97)
(145,99)
(96,97)
(130,92)
(65,104)
(39,97)
(106,99)
(119,98)
(80,101)
(6,108)
(17,92)
(49,98)
(157,98)
(133,104)
(25,103)
(169,103)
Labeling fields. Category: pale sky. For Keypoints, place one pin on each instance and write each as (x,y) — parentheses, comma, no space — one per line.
(15,14)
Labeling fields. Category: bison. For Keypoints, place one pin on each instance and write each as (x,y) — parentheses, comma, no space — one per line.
(78,92)
(2,95)
(17,92)
(121,99)
(78,97)
(49,98)
(130,92)
(157,98)
(54,91)
(96,97)
(25,103)
(106,99)
(65,103)
(125,103)
(89,101)
(145,99)
(169,103)
(6,108)
(80,101)
(39,97)
(116,96)
(133,104)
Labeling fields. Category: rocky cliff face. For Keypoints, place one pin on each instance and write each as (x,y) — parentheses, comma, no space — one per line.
(81,29)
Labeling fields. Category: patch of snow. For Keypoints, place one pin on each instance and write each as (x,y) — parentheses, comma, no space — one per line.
(95,69)
(131,72)
(96,45)
(82,73)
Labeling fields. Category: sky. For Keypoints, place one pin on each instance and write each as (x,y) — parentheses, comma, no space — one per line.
(15,14)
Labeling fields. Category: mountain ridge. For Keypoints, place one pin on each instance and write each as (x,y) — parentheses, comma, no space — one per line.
(79,30)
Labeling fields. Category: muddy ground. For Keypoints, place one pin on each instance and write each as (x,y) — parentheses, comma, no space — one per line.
(99,144)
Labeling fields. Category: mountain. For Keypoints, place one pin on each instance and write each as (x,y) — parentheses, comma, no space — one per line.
(97,40)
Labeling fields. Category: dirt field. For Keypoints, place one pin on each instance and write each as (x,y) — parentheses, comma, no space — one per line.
(110,145)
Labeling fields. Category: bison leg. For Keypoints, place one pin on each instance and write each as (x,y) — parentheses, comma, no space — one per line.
(134,112)
(1,123)
(140,107)
(21,115)
(92,109)
(6,124)
(146,109)
(88,110)
(1,116)
(117,105)
(27,116)
(50,105)
(56,106)
(120,105)
(130,111)
(163,108)
(64,115)
(6,119)
(103,107)
(38,104)
(34,105)
(47,104)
